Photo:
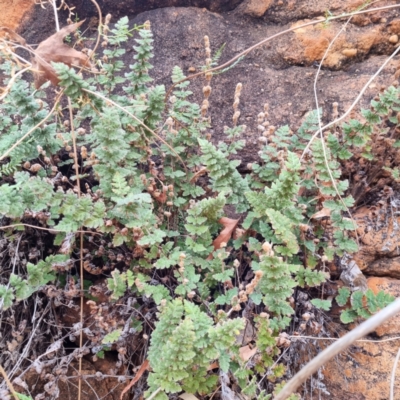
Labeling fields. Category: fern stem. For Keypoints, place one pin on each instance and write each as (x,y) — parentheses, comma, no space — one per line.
(8,382)
(78,183)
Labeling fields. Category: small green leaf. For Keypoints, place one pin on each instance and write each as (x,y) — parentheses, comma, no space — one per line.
(112,337)
(322,304)
(343,296)
(348,316)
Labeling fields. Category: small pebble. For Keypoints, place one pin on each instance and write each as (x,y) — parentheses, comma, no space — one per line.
(349,52)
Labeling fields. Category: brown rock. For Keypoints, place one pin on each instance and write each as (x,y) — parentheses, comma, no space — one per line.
(362,372)
(255,8)
(380,241)
(389,267)
(349,52)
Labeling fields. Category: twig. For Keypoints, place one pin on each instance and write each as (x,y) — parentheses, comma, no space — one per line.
(19,141)
(53,3)
(11,82)
(393,377)
(100,27)
(336,339)
(154,394)
(78,184)
(144,367)
(8,382)
(335,348)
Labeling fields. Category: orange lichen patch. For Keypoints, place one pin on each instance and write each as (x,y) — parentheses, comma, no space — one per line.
(315,41)
(366,40)
(363,369)
(12,12)
(361,20)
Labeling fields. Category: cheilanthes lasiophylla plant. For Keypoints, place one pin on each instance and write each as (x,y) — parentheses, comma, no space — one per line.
(154,195)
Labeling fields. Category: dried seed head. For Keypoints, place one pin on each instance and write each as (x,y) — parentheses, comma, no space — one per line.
(35,168)
(206,41)
(208,76)
(207,91)
(84,153)
(238,89)
(267,247)
(306,316)
(235,117)
(27,165)
(259,274)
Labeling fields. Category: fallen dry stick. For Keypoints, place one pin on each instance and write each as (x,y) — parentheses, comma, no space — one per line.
(337,347)
(144,367)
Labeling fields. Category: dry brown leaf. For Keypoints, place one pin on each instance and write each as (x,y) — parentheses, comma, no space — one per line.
(197,175)
(325,212)
(225,235)
(53,49)
(144,367)
(245,352)
(212,366)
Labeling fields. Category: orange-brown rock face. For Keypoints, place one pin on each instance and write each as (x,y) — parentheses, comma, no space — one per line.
(379,234)
(13,11)
(362,372)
